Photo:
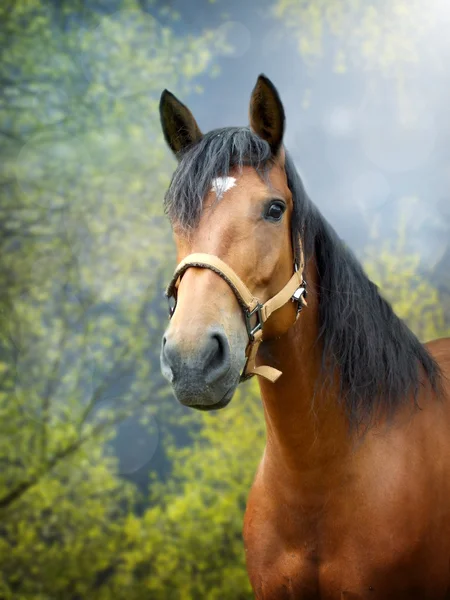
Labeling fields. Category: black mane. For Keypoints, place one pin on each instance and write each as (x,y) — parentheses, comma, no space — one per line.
(380,362)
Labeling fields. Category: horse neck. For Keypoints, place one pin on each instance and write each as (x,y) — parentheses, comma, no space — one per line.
(307,431)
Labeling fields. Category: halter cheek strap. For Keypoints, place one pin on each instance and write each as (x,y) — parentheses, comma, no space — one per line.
(255,313)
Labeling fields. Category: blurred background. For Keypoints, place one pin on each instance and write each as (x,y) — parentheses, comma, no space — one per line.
(109,489)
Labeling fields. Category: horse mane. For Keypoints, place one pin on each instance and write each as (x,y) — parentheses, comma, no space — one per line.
(379,361)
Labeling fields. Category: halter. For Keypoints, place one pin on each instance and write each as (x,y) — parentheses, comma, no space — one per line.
(255,312)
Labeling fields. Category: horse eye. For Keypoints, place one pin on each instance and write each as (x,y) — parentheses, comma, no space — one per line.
(275,211)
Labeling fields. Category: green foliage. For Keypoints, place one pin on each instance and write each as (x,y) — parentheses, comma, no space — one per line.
(398,274)
(66,532)
(74,532)
(85,249)
(188,545)
(385,36)
(83,174)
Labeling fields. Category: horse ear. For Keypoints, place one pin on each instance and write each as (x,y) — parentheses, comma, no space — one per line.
(267,113)
(178,124)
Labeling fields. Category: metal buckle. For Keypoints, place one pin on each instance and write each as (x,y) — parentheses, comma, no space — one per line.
(248,315)
(300,292)
(173,306)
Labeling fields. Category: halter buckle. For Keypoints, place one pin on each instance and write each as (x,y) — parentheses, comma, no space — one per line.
(251,330)
(299,295)
(172,302)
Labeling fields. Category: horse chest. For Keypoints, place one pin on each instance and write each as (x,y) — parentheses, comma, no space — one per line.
(287,576)
(300,574)
(293,557)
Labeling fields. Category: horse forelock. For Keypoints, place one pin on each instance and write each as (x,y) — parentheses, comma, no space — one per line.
(213,156)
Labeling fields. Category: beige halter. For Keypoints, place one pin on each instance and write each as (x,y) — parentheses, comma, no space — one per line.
(294,290)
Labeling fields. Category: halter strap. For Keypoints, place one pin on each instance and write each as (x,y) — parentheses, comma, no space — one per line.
(294,290)
(214,263)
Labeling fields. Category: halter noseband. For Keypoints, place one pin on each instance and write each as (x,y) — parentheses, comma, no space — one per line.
(255,313)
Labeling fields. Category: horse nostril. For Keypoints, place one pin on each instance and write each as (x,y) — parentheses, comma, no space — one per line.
(217,361)
(219,345)
(169,358)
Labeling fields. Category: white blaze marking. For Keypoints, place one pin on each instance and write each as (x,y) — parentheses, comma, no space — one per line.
(220,185)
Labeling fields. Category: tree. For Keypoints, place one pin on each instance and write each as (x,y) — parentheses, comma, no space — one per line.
(84,251)
(188,544)
(63,537)
(388,37)
(399,274)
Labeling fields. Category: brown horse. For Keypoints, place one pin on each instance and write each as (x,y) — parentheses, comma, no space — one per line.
(352,495)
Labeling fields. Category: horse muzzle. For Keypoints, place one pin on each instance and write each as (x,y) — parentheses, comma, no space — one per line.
(204,372)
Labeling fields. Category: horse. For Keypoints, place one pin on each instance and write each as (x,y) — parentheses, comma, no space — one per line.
(351,498)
